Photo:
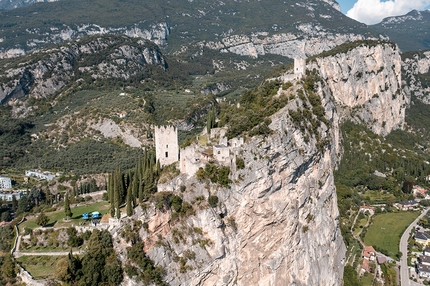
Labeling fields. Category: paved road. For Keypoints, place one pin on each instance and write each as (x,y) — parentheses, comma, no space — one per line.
(404,269)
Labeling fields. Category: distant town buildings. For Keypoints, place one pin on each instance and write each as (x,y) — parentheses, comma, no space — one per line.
(368,209)
(422,238)
(423,265)
(407,205)
(39,174)
(5,183)
(8,196)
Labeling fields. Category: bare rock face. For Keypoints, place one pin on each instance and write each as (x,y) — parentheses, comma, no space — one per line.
(310,39)
(277,224)
(414,67)
(368,80)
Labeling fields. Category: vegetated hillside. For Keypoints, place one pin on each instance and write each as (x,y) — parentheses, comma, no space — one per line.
(178,23)
(13,4)
(409,31)
(102,60)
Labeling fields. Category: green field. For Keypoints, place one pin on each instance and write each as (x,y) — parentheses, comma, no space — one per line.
(56,218)
(40,267)
(385,231)
(360,224)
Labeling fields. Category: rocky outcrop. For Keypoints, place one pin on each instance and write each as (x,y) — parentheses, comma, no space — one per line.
(157,33)
(310,39)
(367,80)
(46,72)
(276,225)
(415,68)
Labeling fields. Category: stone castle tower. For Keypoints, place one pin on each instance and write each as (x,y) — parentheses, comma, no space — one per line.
(166,145)
(299,67)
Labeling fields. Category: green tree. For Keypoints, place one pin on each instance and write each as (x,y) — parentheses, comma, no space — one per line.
(213,201)
(67,209)
(8,268)
(42,219)
(129,202)
(24,205)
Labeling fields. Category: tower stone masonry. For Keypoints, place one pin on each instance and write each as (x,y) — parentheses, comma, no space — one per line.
(166,145)
(299,67)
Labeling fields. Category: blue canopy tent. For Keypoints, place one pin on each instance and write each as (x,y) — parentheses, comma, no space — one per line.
(85,216)
(95,215)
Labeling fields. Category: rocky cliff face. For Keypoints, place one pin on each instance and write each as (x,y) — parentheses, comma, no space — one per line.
(416,67)
(367,80)
(278,223)
(310,39)
(46,72)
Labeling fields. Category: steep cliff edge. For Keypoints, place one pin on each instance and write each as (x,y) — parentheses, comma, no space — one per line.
(366,79)
(416,69)
(278,223)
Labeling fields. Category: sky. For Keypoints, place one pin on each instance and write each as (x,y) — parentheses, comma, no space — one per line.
(373,11)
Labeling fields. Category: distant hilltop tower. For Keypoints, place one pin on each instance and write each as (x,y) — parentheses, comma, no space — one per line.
(166,145)
(299,67)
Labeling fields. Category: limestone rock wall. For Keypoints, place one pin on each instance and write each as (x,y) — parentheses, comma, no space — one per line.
(368,81)
(276,225)
(414,66)
(310,39)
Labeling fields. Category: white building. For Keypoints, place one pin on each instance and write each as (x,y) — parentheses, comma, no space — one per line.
(221,153)
(8,196)
(39,174)
(5,183)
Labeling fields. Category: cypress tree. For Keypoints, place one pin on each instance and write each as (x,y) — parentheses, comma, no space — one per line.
(67,209)
(141,190)
(117,200)
(112,195)
(158,168)
(129,204)
(134,189)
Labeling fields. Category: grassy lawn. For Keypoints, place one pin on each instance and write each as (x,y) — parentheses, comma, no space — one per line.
(56,218)
(41,267)
(367,279)
(360,223)
(385,231)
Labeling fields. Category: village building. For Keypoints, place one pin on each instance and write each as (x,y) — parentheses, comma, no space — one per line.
(8,196)
(369,257)
(423,266)
(368,209)
(420,192)
(39,174)
(5,183)
(422,238)
(381,259)
(122,114)
(407,205)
